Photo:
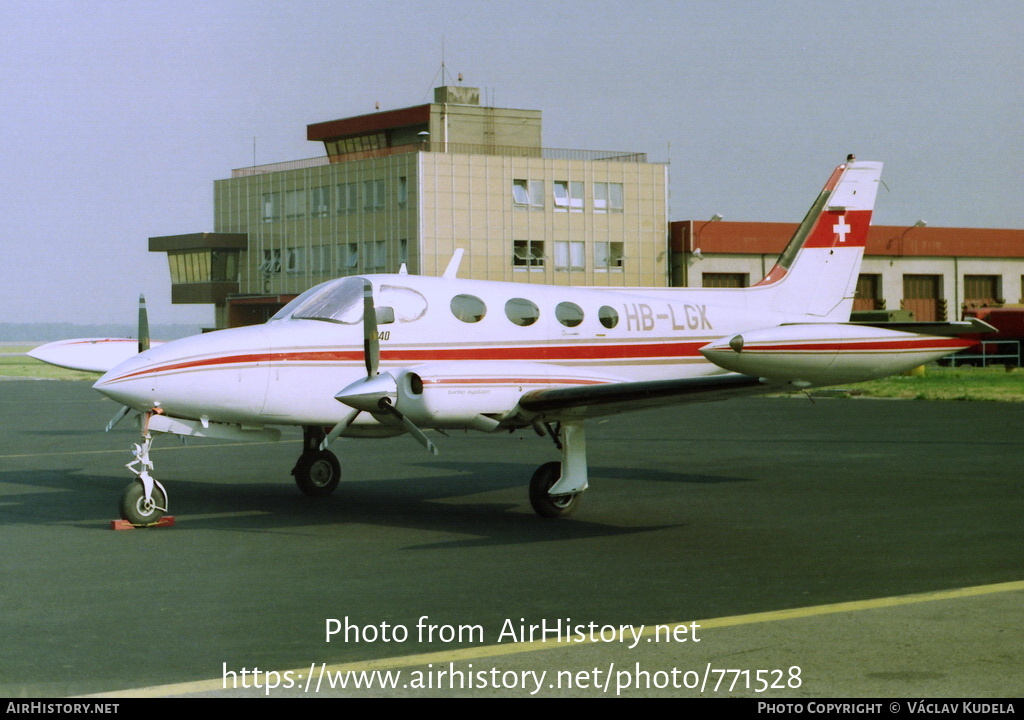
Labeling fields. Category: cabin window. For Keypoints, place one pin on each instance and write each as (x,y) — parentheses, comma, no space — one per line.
(608,316)
(468,308)
(522,312)
(569,314)
(338,301)
(409,305)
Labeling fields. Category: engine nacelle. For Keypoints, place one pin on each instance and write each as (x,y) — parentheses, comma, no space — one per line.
(477,394)
(827,353)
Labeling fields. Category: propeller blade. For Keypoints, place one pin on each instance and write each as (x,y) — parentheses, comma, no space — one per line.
(385,404)
(143,325)
(118,416)
(371,344)
(339,428)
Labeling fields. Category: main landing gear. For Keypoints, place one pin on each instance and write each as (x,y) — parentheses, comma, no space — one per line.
(317,472)
(556,487)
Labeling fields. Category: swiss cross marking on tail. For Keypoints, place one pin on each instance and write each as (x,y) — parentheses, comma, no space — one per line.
(841,228)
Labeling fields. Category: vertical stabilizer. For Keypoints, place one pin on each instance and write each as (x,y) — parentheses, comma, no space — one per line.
(817,272)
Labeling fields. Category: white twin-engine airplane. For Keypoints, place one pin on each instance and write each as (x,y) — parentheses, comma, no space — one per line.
(380,355)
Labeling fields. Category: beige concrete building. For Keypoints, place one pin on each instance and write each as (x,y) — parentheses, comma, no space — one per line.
(409,187)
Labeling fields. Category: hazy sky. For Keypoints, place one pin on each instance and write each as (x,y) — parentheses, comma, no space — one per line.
(116,117)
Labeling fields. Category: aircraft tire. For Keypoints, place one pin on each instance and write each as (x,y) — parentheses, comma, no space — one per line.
(317,473)
(549,506)
(134,508)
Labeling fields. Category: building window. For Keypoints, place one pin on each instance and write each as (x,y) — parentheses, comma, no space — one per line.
(575,196)
(295,204)
(607,197)
(725,280)
(528,194)
(348,257)
(319,259)
(320,201)
(295,260)
(570,255)
(359,143)
(403,191)
(561,195)
(271,262)
(373,195)
(271,207)
(608,255)
(528,253)
(601,197)
(568,196)
(348,197)
(615,203)
(190,267)
(403,251)
(380,254)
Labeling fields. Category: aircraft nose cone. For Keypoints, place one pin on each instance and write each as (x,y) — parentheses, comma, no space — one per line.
(121,383)
(222,373)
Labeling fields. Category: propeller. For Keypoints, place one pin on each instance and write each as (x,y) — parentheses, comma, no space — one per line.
(143,325)
(386,405)
(377,391)
(143,335)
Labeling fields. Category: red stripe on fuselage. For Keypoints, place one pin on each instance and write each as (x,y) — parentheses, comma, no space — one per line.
(538,353)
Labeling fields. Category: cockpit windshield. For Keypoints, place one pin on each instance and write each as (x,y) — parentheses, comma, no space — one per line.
(338,301)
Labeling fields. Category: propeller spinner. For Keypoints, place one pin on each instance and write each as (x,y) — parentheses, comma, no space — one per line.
(378,391)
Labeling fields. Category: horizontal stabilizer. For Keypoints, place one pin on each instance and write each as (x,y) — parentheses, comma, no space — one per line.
(970,326)
(807,354)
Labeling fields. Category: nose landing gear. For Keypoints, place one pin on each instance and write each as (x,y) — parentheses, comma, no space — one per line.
(144,501)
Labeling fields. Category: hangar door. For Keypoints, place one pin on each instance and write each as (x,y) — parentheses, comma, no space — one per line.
(869,293)
(981,291)
(922,294)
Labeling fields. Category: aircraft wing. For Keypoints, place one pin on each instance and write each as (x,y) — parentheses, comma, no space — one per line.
(610,398)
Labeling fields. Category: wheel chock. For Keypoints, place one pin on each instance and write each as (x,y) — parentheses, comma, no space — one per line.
(165,521)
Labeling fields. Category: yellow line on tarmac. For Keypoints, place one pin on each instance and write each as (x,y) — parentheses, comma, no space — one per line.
(127,451)
(462,654)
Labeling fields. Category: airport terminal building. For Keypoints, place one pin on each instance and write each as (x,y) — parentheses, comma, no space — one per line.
(408,187)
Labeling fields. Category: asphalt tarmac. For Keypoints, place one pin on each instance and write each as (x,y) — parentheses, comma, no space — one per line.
(842,547)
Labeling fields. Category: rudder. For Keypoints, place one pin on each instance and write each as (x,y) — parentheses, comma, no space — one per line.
(817,272)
